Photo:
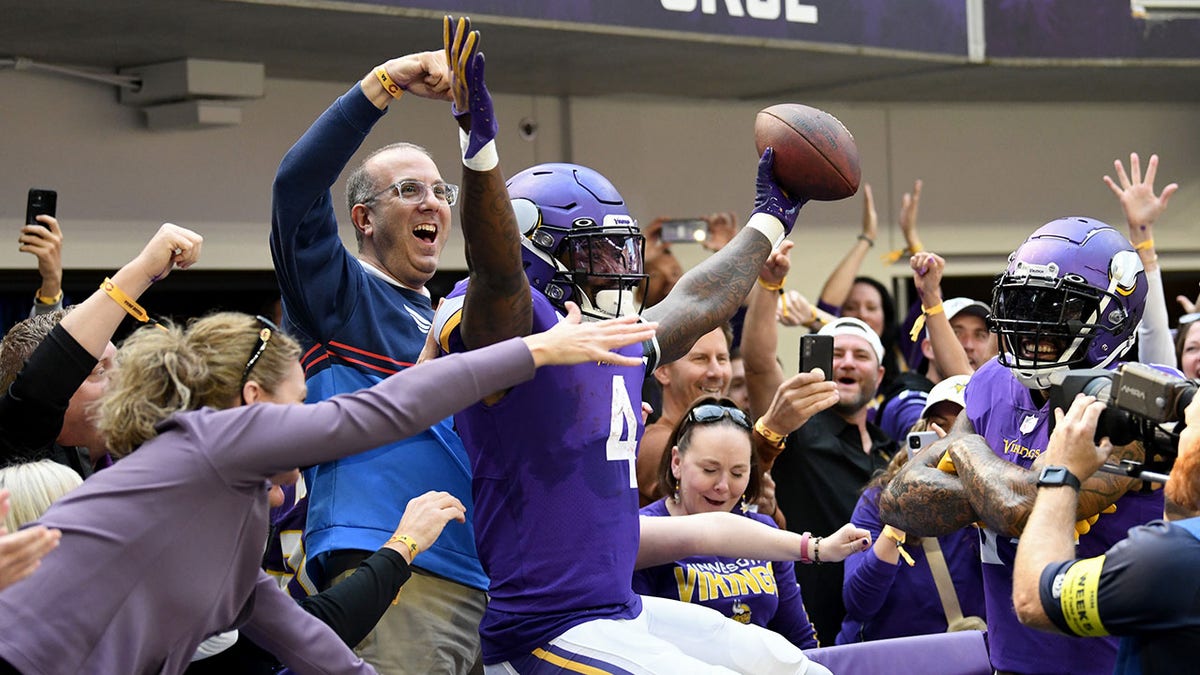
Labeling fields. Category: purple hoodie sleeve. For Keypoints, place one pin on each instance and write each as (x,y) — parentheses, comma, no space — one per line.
(298,639)
(867,579)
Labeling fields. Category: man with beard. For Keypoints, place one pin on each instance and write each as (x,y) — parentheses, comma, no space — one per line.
(1125,590)
(829,450)
(704,371)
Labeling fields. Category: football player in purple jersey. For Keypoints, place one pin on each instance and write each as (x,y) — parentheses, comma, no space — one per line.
(1071,297)
(553,461)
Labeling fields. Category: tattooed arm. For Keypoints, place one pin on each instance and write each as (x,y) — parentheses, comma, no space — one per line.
(711,292)
(1003,493)
(924,500)
(708,294)
(498,304)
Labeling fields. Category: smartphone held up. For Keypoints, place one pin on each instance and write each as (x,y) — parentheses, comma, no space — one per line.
(816,351)
(685,230)
(919,440)
(40,203)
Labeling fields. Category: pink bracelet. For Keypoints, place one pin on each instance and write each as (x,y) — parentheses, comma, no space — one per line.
(804,548)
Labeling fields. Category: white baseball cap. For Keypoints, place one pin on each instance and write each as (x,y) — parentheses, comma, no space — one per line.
(850,326)
(950,389)
(954,306)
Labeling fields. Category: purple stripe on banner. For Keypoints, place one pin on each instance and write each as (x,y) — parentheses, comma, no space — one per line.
(927,26)
(1083,29)
(551,660)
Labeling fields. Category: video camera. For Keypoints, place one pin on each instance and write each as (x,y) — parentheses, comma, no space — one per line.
(1142,402)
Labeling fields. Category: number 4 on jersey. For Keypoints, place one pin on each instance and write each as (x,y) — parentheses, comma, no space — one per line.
(622,431)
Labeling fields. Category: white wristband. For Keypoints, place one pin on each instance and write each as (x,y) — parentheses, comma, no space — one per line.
(770,226)
(485,160)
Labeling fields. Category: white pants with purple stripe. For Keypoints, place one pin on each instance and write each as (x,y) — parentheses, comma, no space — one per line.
(668,637)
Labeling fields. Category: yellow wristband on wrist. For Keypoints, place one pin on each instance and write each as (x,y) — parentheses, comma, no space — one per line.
(391,86)
(407,541)
(127,303)
(772,437)
(919,323)
(897,537)
(1143,245)
(44,300)
(772,287)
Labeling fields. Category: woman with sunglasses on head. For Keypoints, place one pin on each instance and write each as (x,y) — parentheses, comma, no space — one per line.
(162,549)
(711,468)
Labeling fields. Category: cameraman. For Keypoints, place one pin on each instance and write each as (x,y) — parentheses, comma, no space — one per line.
(1145,588)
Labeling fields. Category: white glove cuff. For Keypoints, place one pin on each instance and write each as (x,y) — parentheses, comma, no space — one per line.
(485,160)
(769,226)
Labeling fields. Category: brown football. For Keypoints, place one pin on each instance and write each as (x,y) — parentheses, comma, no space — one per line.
(815,155)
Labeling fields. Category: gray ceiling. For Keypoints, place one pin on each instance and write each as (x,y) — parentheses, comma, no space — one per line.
(340,44)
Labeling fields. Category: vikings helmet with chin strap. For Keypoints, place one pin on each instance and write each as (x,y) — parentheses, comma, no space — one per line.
(1071,297)
(579,243)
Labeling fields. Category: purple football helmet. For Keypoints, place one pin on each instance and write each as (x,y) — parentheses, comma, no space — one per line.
(580,243)
(1071,297)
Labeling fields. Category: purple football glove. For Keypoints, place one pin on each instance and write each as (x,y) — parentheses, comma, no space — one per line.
(472,102)
(770,198)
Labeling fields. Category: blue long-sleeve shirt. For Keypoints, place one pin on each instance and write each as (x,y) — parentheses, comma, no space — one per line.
(356,328)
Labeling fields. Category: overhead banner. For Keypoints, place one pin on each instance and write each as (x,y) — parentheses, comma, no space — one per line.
(1013,29)
(932,26)
(1084,29)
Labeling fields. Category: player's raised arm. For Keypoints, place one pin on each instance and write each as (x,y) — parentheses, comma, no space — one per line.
(710,292)
(497,304)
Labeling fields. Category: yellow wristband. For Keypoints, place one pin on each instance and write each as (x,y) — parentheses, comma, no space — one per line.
(772,287)
(127,303)
(407,541)
(1143,245)
(772,437)
(392,87)
(920,321)
(43,300)
(899,539)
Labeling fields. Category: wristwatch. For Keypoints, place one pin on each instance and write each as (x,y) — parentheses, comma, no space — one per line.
(1058,476)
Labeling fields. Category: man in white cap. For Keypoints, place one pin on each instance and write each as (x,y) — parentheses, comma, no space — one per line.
(968,318)
(903,405)
(828,449)
(946,401)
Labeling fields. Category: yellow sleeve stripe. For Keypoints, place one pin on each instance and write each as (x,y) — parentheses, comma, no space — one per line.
(447,329)
(567,664)
(1080,597)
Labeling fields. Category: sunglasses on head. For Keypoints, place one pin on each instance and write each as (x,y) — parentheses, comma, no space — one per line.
(712,412)
(264,336)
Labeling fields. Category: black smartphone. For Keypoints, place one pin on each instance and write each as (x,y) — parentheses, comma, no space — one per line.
(40,203)
(816,351)
(684,230)
(919,440)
